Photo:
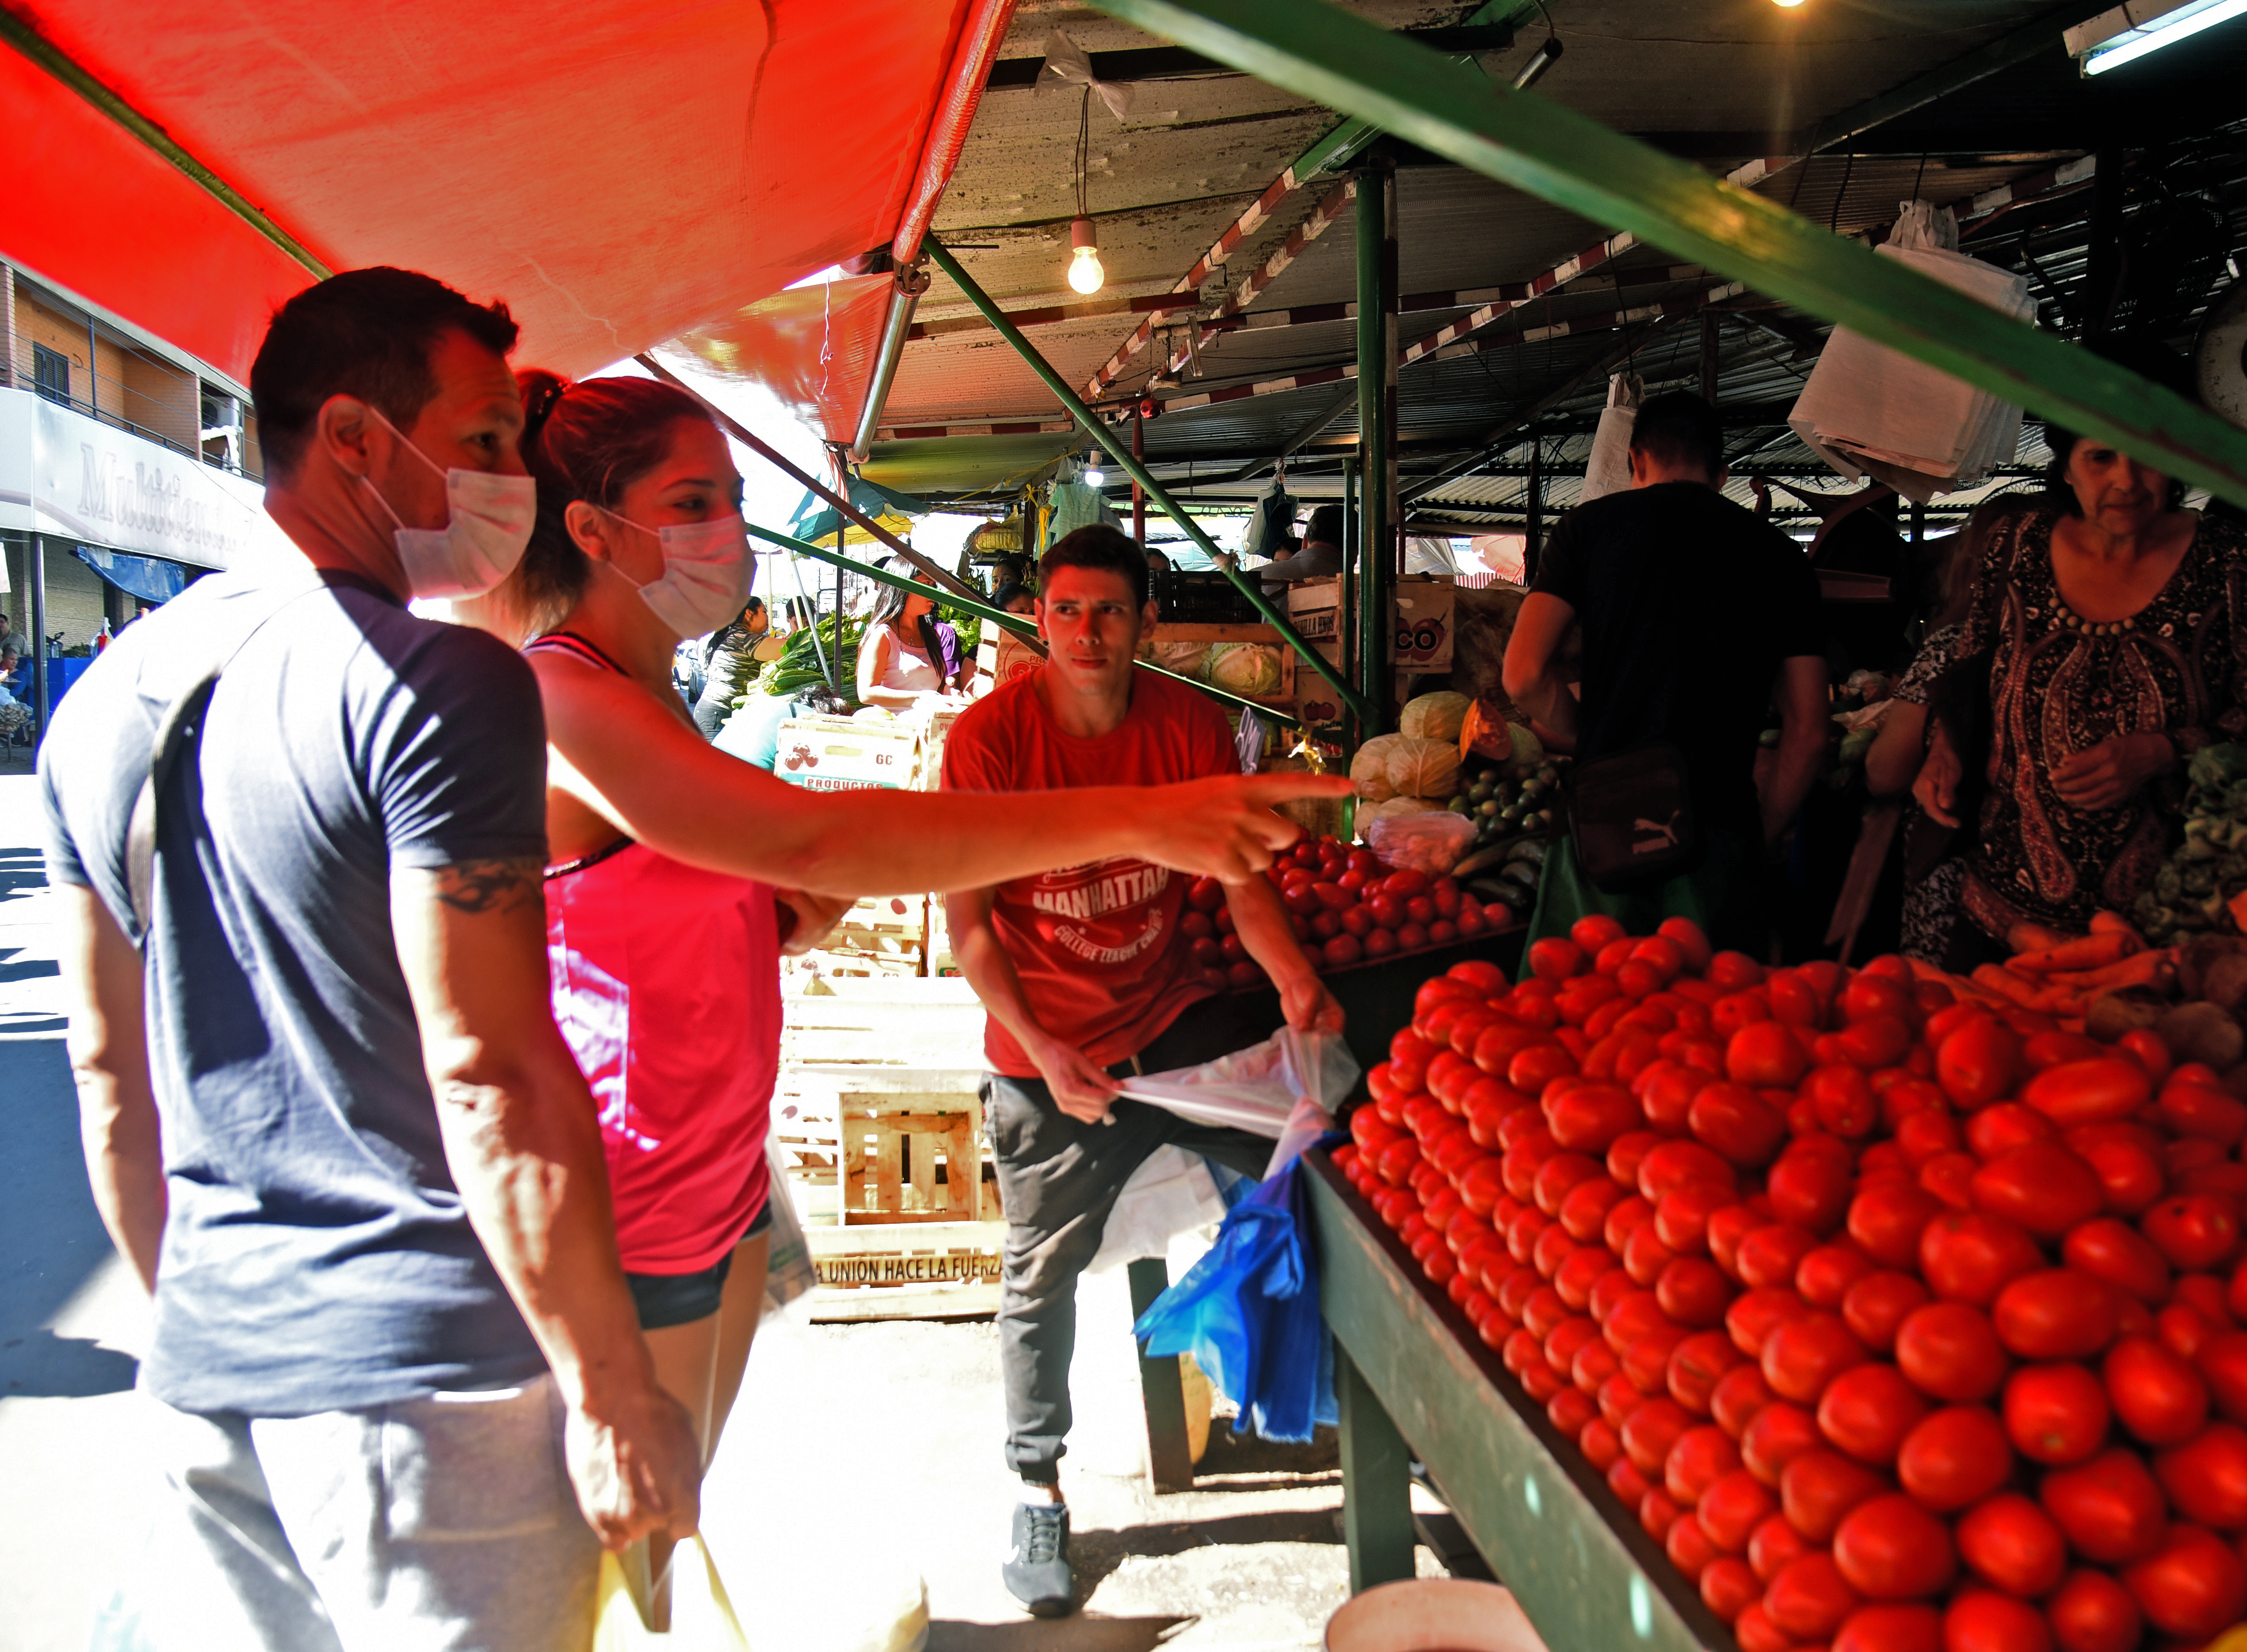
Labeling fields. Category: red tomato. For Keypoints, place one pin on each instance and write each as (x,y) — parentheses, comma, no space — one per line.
(1732,1508)
(1955,1459)
(2055,1315)
(1809,1599)
(1696,1365)
(1688,1548)
(1891,1628)
(1692,1291)
(1825,1275)
(2194,1231)
(1734,971)
(1671,1166)
(1584,1212)
(2005,1125)
(1420,909)
(1818,1486)
(1926,1133)
(1803,1356)
(2206,1478)
(1405,883)
(1970,1257)
(1811,1183)
(2042,1186)
(1984,1621)
(1773,1254)
(2115,1251)
(1698,1460)
(1772,1543)
(1754,1316)
(1592,1117)
(2193,1586)
(2156,1395)
(1342,950)
(1774,1437)
(2056,1414)
(1766,1054)
(1740,1394)
(1878,1304)
(2203,1111)
(1869,1411)
(1729,1588)
(1205,894)
(1949,1177)
(1650,1431)
(1732,1122)
(1878,1040)
(1693,946)
(1887,1220)
(1979,1062)
(2110,1508)
(1682,1217)
(1949,1351)
(2091,1612)
(1889,1548)
(2012,1544)
(1378,943)
(2107,1087)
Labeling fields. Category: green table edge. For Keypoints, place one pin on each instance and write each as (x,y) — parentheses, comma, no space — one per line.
(1585,1572)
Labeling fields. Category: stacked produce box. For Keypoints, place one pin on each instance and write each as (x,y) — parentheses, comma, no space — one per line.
(1905,1318)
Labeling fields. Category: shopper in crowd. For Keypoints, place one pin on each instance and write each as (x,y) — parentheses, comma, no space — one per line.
(662,919)
(1015,599)
(1319,558)
(730,666)
(1696,619)
(14,714)
(2111,622)
(328,1120)
(1934,864)
(907,655)
(1086,977)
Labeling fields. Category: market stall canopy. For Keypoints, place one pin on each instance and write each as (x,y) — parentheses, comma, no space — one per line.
(812,346)
(969,464)
(617,173)
(817,520)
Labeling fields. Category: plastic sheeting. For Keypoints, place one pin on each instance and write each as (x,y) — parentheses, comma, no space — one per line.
(617,173)
(813,347)
(150,578)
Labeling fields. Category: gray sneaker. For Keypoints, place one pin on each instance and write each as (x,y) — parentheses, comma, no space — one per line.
(1037,1566)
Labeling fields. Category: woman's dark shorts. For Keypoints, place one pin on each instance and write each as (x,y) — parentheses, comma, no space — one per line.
(665,1300)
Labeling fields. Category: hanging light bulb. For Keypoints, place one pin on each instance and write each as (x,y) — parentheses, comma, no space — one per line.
(1788,3)
(1094,475)
(1085,274)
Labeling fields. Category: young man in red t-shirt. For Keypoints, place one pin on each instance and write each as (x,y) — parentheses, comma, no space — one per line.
(1086,977)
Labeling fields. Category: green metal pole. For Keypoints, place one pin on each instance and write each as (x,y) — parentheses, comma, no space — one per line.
(1376,429)
(1547,150)
(1121,453)
(999,617)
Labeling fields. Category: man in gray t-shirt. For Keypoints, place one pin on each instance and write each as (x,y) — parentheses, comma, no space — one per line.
(399,1392)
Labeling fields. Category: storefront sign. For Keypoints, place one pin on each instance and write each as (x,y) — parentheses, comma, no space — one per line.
(63,474)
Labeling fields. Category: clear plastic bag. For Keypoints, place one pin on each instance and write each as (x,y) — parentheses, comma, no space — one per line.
(1431,843)
(1284,1088)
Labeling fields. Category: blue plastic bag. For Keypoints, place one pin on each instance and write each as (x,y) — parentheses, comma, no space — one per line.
(1248,1313)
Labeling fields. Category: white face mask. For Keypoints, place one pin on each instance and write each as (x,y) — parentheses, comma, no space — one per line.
(706,572)
(487,524)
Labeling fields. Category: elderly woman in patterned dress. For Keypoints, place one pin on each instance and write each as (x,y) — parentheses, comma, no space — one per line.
(2113,621)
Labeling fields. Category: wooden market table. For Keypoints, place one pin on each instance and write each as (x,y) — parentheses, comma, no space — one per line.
(1415,1381)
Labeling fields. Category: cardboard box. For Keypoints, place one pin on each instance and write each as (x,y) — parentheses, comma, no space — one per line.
(1002,656)
(1421,611)
(847,754)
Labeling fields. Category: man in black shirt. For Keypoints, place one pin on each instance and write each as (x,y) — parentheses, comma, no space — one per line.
(1696,619)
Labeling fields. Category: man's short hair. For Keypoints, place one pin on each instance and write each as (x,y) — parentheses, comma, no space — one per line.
(367,333)
(1097,545)
(1679,429)
(1324,527)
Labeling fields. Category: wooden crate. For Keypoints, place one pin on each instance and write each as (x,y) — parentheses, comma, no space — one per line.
(871,1024)
(896,1125)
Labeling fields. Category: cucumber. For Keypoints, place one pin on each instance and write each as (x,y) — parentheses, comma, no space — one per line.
(1487,859)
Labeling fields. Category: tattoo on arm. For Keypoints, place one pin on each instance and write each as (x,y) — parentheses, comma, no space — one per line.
(489,885)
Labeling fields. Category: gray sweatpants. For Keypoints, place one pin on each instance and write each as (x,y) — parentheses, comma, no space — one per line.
(1058,1179)
(440,1523)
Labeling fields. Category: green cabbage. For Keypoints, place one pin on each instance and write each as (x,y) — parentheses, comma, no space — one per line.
(1249,669)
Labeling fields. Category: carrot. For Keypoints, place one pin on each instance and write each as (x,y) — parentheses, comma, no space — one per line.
(2006,984)
(2111,923)
(2034,938)
(2138,969)
(2086,952)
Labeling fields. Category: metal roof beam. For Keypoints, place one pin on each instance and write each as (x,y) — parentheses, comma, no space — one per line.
(1548,150)
(1176,63)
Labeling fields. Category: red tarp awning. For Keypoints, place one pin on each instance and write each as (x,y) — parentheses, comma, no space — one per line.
(813,347)
(616,173)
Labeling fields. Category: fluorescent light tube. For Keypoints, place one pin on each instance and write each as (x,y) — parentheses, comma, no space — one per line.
(2121,38)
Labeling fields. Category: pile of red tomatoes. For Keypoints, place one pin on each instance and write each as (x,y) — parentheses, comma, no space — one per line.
(1346,907)
(1905,1321)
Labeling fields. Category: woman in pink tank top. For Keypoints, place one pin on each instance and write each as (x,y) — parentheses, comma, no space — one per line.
(678,872)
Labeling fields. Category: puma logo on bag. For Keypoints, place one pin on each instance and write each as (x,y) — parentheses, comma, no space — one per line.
(1664,834)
